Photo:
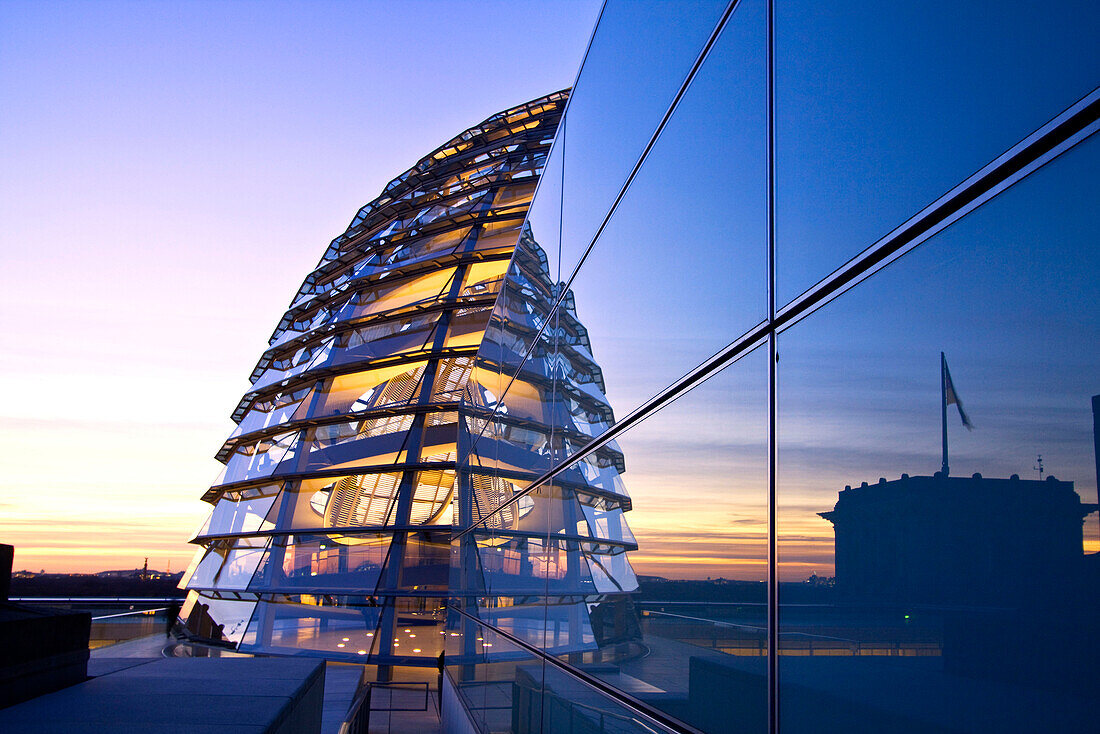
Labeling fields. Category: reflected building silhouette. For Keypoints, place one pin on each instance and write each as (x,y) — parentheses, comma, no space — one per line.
(956,540)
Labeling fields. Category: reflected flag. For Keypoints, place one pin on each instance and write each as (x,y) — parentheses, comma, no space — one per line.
(952,397)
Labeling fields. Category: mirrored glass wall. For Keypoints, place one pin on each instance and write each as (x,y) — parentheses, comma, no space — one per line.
(836,265)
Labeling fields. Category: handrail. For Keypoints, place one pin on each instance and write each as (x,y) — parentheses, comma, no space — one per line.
(649,714)
(355,722)
(573,705)
(129,614)
(96,599)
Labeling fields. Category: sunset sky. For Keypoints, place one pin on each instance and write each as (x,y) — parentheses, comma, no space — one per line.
(169,173)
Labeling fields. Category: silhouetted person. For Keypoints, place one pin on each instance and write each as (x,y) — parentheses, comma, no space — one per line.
(203,621)
(173,614)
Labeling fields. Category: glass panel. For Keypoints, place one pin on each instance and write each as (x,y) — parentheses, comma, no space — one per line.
(409,252)
(925,590)
(319,563)
(517,565)
(883,107)
(215,618)
(197,558)
(389,339)
(569,705)
(508,427)
(497,237)
(262,458)
(344,627)
(307,357)
(204,567)
(240,512)
(240,563)
(360,500)
(348,628)
(451,376)
(433,495)
(619,98)
(378,388)
(228,564)
(512,197)
(274,411)
(543,225)
(499,684)
(425,562)
(467,333)
(345,446)
(681,269)
(424,288)
(697,477)
(374,442)
(506,689)
(558,567)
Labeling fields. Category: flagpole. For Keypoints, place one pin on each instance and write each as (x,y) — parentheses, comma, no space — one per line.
(943,409)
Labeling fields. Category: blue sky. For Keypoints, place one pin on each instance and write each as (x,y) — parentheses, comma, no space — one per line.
(169,172)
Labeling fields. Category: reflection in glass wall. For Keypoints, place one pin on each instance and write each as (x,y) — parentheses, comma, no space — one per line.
(937,519)
(698,479)
(680,269)
(882,108)
(863,535)
(618,100)
(547,566)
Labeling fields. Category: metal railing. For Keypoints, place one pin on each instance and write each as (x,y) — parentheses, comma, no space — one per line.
(651,718)
(95,599)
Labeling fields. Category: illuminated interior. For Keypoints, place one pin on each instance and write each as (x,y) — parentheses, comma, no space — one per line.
(371,441)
